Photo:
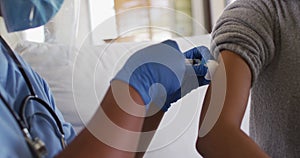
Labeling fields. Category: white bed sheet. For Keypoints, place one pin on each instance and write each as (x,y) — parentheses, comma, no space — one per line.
(79,78)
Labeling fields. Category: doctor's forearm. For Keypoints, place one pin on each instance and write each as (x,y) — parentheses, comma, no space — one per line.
(113,131)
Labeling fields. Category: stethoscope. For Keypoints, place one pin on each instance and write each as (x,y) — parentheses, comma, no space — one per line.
(36,145)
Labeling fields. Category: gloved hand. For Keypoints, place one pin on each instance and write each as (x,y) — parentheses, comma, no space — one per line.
(160,74)
(201,69)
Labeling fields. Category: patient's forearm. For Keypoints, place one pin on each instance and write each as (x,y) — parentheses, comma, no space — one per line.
(115,129)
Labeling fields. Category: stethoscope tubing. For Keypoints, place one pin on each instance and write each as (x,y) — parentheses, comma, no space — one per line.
(21,118)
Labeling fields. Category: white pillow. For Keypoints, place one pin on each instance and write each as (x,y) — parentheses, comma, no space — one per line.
(54,63)
(78,78)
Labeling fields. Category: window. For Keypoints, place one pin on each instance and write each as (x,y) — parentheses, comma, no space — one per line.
(35,35)
(141,20)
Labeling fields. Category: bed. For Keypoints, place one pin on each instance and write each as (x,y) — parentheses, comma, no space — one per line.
(79,78)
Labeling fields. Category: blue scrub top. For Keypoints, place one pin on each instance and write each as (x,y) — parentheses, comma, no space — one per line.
(14,89)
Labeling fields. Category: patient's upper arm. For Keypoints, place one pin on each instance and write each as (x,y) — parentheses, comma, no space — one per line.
(227,96)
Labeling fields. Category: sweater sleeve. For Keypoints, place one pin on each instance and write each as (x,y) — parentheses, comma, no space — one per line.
(248,28)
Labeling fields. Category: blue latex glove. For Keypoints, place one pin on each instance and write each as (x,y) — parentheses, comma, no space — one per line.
(202,53)
(160,75)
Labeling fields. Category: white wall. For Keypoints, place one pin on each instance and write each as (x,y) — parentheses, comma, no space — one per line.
(206,13)
(216,8)
(200,16)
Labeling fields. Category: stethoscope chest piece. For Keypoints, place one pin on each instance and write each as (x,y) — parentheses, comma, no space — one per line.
(37,146)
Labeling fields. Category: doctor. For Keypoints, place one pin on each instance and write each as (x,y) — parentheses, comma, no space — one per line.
(140,93)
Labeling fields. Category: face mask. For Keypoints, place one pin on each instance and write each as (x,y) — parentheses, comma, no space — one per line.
(24,14)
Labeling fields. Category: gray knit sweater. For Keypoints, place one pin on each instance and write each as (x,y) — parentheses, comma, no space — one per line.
(266,33)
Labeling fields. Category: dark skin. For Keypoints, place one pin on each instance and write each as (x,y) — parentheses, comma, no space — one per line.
(86,143)
(226,137)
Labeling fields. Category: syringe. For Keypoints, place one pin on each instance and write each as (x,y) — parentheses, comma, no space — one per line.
(193,61)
